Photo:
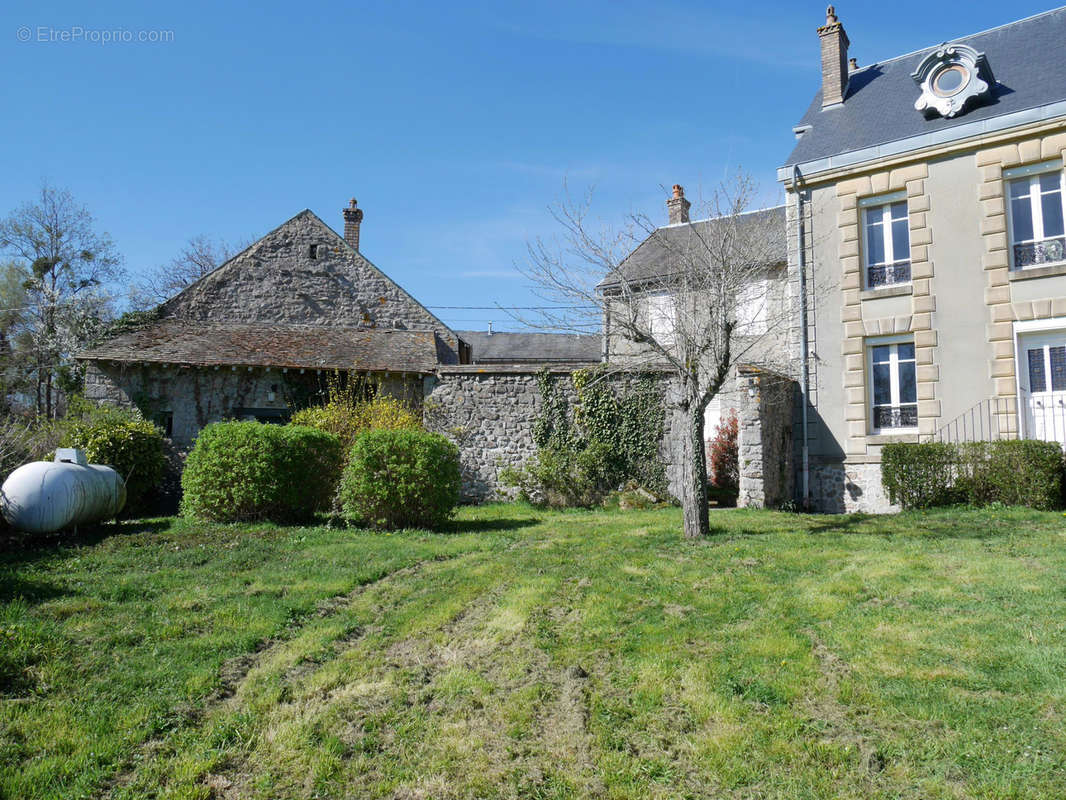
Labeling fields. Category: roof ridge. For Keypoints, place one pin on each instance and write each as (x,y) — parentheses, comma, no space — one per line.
(957,39)
(722,216)
(200,323)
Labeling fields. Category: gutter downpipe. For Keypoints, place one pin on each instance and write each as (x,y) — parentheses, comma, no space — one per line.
(797,180)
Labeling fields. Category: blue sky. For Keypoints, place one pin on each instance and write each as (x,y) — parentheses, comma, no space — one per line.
(454,124)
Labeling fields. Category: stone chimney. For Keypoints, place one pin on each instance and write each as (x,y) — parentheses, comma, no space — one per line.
(353,217)
(834,59)
(677,206)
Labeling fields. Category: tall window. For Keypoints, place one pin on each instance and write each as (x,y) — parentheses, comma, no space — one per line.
(886,240)
(751,308)
(1036,218)
(894,391)
(662,317)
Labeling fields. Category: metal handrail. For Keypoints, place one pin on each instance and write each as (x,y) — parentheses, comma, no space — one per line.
(996,418)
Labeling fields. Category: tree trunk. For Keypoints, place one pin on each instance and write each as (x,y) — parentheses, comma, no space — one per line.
(39,386)
(694,475)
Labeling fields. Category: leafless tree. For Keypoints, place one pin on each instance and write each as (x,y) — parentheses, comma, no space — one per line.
(200,255)
(695,299)
(70,272)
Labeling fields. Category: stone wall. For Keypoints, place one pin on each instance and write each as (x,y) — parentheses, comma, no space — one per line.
(489,415)
(195,397)
(848,488)
(489,412)
(764,440)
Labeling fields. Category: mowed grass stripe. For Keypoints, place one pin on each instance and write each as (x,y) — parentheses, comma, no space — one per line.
(595,654)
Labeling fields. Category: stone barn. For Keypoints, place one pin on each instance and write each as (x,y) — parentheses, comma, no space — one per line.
(265,330)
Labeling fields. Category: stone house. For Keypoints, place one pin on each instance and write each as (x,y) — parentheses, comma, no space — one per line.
(927,256)
(650,284)
(265,330)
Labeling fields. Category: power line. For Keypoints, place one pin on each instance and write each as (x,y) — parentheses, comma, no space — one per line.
(510,308)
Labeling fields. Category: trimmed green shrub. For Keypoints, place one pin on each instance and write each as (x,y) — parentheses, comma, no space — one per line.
(1020,473)
(249,470)
(919,475)
(1015,473)
(401,479)
(122,439)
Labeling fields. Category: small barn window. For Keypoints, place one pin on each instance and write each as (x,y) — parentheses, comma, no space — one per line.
(313,251)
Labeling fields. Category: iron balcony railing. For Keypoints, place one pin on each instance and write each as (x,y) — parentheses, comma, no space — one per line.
(1047,251)
(880,275)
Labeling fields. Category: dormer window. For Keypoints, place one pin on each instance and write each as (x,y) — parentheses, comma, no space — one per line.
(951,78)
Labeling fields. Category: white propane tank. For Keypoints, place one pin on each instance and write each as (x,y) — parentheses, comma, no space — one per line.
(47,496)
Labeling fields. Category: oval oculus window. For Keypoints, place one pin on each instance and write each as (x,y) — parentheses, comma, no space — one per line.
(950,80)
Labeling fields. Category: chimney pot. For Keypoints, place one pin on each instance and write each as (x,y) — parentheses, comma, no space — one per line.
(834,59)
(853,64)
(353,218)
(677,206)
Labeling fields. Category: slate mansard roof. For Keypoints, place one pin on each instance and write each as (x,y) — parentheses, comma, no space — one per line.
(878,118)
(212,344)
(511,348)
(652,258)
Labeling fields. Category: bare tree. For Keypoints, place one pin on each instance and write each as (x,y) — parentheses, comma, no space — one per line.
(71,271)
(15,343)
(695,299)
(201,255)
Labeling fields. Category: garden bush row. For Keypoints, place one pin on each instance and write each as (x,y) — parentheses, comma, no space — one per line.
(248,470)
(1021,472)
(389,478)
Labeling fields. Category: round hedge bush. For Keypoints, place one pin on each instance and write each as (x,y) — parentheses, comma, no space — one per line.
(123,440)
(401,479)
(249,470)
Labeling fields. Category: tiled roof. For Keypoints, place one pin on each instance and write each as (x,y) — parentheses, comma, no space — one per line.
(507,347)
(1026,58)
(657,256)
(295,346)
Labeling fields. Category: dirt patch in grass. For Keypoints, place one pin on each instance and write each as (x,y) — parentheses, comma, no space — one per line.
(234,672)
(839,721)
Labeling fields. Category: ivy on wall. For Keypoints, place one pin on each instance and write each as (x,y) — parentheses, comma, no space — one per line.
(598,435)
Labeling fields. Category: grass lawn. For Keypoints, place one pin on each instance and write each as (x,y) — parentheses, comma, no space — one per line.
(540,654)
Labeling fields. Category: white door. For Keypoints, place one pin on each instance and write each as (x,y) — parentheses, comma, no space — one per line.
(712,415)
(1043,384)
